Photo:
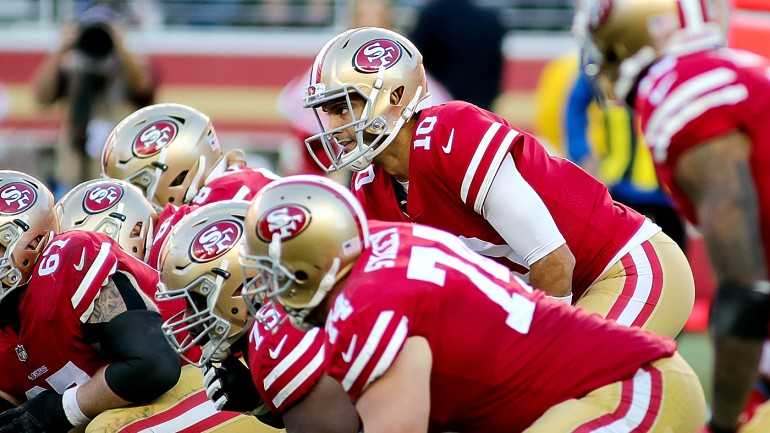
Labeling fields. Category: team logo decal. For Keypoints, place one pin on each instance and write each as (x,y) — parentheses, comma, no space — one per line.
(598,13)
(287,221)
(102,197)
(16,197)
(154,137)
(375,54)
(214,240)
(21,353)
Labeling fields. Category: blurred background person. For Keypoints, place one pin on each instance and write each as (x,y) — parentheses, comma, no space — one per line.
(98,82)
(465,44)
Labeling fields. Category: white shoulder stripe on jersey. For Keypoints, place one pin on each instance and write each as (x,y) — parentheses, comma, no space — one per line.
(291,358)
(686,93)
(242,193)
(300,378)
(642,394)
(500,153)
(660,139)
(88,279)
(366,353)
(476,160)
(391,350)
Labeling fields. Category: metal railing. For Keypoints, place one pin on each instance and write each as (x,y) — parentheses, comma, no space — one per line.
(517,15)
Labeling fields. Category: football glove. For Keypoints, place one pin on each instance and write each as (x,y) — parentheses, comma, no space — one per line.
(43,413)
(231,387)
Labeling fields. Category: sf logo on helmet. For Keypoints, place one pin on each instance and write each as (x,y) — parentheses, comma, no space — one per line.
(376,54)
(16,197)
(102,197)
(285,221)
(154,137)
(215,240)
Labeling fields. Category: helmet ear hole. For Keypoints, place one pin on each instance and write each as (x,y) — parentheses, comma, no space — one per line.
(300,276)
(179,179)
(397,95)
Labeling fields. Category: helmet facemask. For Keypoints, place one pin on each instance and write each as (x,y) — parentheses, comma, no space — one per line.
(196,266)
(202,323)
(380,67)
(304,234)
(11,275)
(27,224)
(277,281)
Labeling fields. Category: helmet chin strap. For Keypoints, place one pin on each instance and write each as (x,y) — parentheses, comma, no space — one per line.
(192,191)
(366,159)
(630,70)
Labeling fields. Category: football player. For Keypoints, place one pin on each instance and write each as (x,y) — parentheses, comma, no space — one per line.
(113,207)
(704,110)
(78,336)
(120,210)
(172,153)
(426,335)
(286,366)
(465,170)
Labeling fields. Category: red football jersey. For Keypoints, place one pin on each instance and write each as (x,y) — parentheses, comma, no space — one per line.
(50,351)
(285,362)
(236,183)
(457,149)
(688,100)
(484,378)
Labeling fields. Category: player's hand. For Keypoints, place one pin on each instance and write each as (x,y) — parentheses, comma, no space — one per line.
(41,414)
(231,387)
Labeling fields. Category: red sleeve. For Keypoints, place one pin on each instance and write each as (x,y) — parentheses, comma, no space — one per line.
(365,345)
(75,266)
(464,147)
(285,362)
(235,184)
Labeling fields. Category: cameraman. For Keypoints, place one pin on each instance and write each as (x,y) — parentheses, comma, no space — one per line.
(99,83)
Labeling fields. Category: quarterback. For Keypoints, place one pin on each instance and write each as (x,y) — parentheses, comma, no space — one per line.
(467,171)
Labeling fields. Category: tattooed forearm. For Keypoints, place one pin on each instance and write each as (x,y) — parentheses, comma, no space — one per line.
(108,305)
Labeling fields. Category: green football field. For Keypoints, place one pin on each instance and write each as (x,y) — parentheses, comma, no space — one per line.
(696,349)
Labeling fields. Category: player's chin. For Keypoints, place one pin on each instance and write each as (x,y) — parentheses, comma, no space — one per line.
(316,318)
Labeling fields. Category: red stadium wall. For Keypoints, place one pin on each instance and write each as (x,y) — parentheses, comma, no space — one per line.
(237,91)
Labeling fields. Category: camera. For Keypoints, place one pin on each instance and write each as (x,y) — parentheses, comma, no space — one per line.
(94,40)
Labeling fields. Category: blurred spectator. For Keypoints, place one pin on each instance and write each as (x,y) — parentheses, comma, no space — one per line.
(98,82)
(622,161)
(465,45)
(295,158)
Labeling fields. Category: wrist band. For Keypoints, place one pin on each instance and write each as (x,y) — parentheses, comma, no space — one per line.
(75,416)
(566,299)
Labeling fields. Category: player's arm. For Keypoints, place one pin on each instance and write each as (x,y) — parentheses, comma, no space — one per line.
(717,178)
(125,327)
(400,399)
(528,227)
(338,413)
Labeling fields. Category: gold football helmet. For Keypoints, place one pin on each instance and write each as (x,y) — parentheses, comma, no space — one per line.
(27,224)
(198,263)
(167,150)
(303,234)
(113,207)
(621,38)
(373,64)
